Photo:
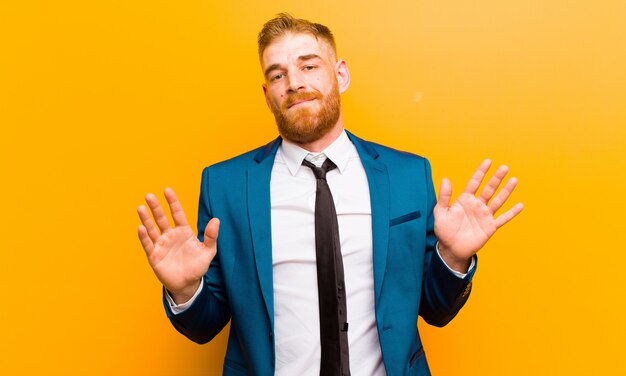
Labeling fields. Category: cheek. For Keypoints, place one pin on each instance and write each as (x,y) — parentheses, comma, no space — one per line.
(324,83)
(277,100)
(276,96)
(278,93)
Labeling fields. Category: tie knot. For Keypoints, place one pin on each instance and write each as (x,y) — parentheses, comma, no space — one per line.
(320,172)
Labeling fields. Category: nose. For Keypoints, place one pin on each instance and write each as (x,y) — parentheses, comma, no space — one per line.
(296,81)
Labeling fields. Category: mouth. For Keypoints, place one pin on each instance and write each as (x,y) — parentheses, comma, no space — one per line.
(297,99)
(299,102)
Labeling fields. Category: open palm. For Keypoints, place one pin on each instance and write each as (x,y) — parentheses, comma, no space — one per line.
(177,257)
(465,226)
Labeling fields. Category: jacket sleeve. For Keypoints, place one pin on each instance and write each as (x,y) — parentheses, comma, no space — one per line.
(209,312)
(443,293)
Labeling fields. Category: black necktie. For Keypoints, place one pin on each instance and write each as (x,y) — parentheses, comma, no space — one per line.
(330,281)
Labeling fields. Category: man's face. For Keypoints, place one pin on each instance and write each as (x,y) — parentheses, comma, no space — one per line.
(301,86)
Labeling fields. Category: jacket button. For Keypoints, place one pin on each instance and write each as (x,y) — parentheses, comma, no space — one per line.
(467,289)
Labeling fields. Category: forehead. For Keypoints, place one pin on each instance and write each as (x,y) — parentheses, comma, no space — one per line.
(290,46)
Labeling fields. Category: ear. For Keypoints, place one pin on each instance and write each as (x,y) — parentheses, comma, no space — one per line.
(267,96)
(343,75)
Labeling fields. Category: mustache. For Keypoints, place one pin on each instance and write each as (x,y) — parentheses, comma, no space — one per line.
(301,96)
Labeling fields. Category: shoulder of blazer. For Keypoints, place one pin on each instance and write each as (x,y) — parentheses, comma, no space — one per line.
(268,150)
(248,159)
(364,148)
(368,149)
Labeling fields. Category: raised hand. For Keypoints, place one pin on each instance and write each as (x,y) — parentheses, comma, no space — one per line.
(177,257)
(465,226)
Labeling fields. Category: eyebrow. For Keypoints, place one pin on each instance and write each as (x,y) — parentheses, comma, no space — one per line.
(300,58)
(308,57)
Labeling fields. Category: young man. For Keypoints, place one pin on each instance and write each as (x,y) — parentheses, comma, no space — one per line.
(395,251)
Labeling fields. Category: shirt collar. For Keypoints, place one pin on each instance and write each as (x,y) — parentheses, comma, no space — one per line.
(339,152)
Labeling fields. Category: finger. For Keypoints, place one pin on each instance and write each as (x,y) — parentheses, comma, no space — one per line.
(175,207)
(210,233)
(492,186)
(477,178)
(148,223)
(157,212)
(509,214)
(445,192)
(145,240)
(503,195)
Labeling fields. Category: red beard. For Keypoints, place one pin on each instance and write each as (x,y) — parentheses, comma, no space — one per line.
(304,125)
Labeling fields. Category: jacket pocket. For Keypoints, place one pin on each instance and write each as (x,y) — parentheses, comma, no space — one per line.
(418,365)
(232,367)
(405,218)
(416,355)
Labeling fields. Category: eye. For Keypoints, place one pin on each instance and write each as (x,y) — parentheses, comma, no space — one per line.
(277,76)
(309,67)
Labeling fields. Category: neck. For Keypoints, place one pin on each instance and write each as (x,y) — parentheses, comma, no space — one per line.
(323,142)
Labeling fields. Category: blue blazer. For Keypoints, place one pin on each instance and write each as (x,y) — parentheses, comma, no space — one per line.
(409,278)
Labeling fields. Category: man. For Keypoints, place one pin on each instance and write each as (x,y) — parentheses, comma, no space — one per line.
(400,252)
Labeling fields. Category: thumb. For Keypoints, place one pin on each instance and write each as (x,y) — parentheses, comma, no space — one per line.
(210,233)
(445,192)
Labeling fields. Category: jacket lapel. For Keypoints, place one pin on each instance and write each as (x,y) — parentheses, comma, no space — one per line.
(378,181)
(259,215)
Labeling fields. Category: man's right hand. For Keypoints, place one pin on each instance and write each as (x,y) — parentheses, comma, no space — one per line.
(177,257)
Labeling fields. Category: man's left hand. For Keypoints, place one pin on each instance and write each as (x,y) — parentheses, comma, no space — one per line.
(465,226)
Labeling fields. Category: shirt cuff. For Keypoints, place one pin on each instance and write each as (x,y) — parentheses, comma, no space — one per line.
(180,308)
(458,274)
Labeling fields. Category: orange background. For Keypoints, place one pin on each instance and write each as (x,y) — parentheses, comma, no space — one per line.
(103,101)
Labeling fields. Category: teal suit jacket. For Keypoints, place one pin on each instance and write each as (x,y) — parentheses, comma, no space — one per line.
(409,278)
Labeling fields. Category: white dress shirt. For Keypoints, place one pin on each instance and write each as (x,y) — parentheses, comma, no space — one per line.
(296,314)
(296,310)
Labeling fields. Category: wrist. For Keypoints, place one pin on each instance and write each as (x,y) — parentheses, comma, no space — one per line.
(185,294)
(454,262)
